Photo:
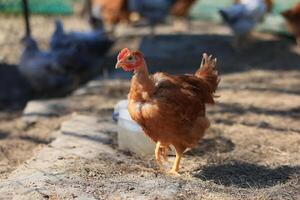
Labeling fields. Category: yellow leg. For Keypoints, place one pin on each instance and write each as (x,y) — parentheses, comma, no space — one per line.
(161,150)
(175,167)
(157,152)
(165,151)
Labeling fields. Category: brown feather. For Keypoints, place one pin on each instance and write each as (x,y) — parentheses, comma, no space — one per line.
(181,7)
(208,73)
(112,11)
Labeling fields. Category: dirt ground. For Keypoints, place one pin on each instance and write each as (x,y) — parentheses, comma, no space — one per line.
(252,150)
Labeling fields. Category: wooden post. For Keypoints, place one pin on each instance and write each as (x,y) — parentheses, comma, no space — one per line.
(26,17)
(89,8)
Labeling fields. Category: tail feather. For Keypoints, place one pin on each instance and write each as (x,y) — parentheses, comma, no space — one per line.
(208,72)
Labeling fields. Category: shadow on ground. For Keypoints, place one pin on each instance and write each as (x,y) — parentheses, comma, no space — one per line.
(218,144)
(87,137)
(184,52)
(293,91)
(258,124)
(246,175)
(36,140)
(239,109)
(3,135)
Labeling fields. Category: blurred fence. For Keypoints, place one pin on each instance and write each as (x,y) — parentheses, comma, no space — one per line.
(61,7)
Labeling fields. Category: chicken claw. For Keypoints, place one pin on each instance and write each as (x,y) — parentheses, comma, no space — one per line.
(173,173)
(174,170)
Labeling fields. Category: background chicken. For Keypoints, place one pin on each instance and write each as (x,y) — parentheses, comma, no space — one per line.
(181,7)
(73,58)
(269,4)
(292,17)
(154,11)
(94,43)
(85,50)
(111,12)
(170,109)
(44,69)
(242,17)
(180,10)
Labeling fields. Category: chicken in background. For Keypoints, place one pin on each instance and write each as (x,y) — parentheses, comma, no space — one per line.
(154,11)
(43,69)
(269,4)
(85,49)
(72,59)
(180,11)
(95,42)
(170,108)
(292,17)
(243,16)
(111,12)
(93,14)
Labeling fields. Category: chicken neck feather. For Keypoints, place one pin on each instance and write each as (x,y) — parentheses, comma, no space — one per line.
(142,87)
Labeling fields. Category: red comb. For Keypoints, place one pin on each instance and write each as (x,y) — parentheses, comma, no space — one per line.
(123,53)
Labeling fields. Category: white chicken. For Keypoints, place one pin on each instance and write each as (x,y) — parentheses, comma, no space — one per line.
(243,16)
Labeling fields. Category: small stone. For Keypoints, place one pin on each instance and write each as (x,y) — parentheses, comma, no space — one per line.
(35,110)
(263,125)
(60,158)
(120,162)
(131,188)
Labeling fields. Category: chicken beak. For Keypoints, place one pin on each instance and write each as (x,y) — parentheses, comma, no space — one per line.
(118,65)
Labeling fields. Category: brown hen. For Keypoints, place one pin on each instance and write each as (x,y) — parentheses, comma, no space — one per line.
(111,11)
(170,109)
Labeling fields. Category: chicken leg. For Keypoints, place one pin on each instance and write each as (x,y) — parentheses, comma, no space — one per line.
(161,150)
(158,153)
(175,168)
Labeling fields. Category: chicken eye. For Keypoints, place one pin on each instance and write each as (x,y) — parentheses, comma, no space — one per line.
(130,58)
